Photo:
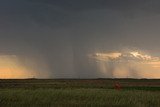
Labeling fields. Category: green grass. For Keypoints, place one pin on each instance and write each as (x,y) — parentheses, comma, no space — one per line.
(79,93)
(78,97)
(142,88)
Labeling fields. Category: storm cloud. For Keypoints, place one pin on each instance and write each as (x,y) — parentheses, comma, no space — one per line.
(56,36)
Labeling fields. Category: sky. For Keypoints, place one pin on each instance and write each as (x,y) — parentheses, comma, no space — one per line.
(79,39)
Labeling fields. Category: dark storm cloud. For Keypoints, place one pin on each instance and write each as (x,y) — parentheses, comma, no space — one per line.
(102,4)
(63,32)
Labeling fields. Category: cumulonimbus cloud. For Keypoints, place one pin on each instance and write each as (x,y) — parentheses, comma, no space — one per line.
(132,64)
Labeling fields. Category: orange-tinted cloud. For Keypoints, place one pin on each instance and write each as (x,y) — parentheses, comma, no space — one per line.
(132,64)
(12,67)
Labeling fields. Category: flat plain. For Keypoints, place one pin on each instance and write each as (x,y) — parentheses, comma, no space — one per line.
(79,93)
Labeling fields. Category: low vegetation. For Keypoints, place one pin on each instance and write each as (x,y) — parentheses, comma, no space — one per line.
(79,93)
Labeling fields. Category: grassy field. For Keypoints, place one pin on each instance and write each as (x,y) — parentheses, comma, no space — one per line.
(79,93)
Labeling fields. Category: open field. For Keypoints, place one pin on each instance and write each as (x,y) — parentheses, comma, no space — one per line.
(82,92)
